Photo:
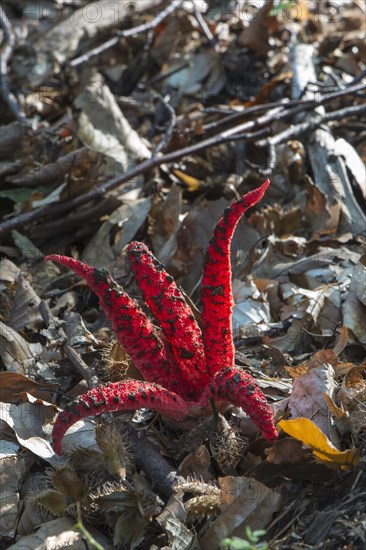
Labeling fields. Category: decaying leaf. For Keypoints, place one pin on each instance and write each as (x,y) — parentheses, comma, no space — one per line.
(245,502)
(103,127)
(353,396)
(306,399)
(16,388)
(12,469)
(17,354)
(144,121)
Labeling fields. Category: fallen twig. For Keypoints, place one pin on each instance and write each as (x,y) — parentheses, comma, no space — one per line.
(128,32)
(311,124)
(232,134)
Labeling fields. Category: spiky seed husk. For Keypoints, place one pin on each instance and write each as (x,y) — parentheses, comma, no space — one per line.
(198,508)
(114,364)
(116,448)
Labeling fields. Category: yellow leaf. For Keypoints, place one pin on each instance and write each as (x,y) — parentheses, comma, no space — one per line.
(308,433)
(192,183)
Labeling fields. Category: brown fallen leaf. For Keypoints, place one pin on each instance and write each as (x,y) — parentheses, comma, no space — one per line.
(341,417)
(342,341)
(256,35)
(197,464)
(245,502)
(289,459)
(17,354)
(15,388)
(60,533)
(13,467)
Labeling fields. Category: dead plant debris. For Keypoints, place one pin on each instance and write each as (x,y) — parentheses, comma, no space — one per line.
(142,121)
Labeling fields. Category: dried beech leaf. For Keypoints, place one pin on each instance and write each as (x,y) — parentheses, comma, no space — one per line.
(28,420)
(246,503)
(306,399)
(354,310)
(341,418)
(179,535)
(353,390)
(17,354)
(128,218)
(17,388)
(60,533)
(102,126)
(129,529)
(25,305)
(197,463)
(289,459)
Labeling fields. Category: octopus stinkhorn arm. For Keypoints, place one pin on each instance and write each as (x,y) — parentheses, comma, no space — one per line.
(119,396)
(217,297)
(175,317)
(133,329)
(238,388)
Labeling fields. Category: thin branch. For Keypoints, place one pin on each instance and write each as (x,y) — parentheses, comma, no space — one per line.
(165,74)
(232,134)
(287,104)
(360,76)
(128,32)
(75,220)
(210,37)
(311,124)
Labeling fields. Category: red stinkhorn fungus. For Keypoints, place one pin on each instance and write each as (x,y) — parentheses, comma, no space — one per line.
(187,367)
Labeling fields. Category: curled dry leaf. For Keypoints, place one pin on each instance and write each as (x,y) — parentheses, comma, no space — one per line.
(12,469)
(342,341)
(60,533)
(289,459)
(341,417)
(17,354)
(16,388)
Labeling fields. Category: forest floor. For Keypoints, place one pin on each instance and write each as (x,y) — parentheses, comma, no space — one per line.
(143,121)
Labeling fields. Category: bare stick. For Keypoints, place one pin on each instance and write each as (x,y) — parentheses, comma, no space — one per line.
(311,124)
(232,134)
(124,34)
